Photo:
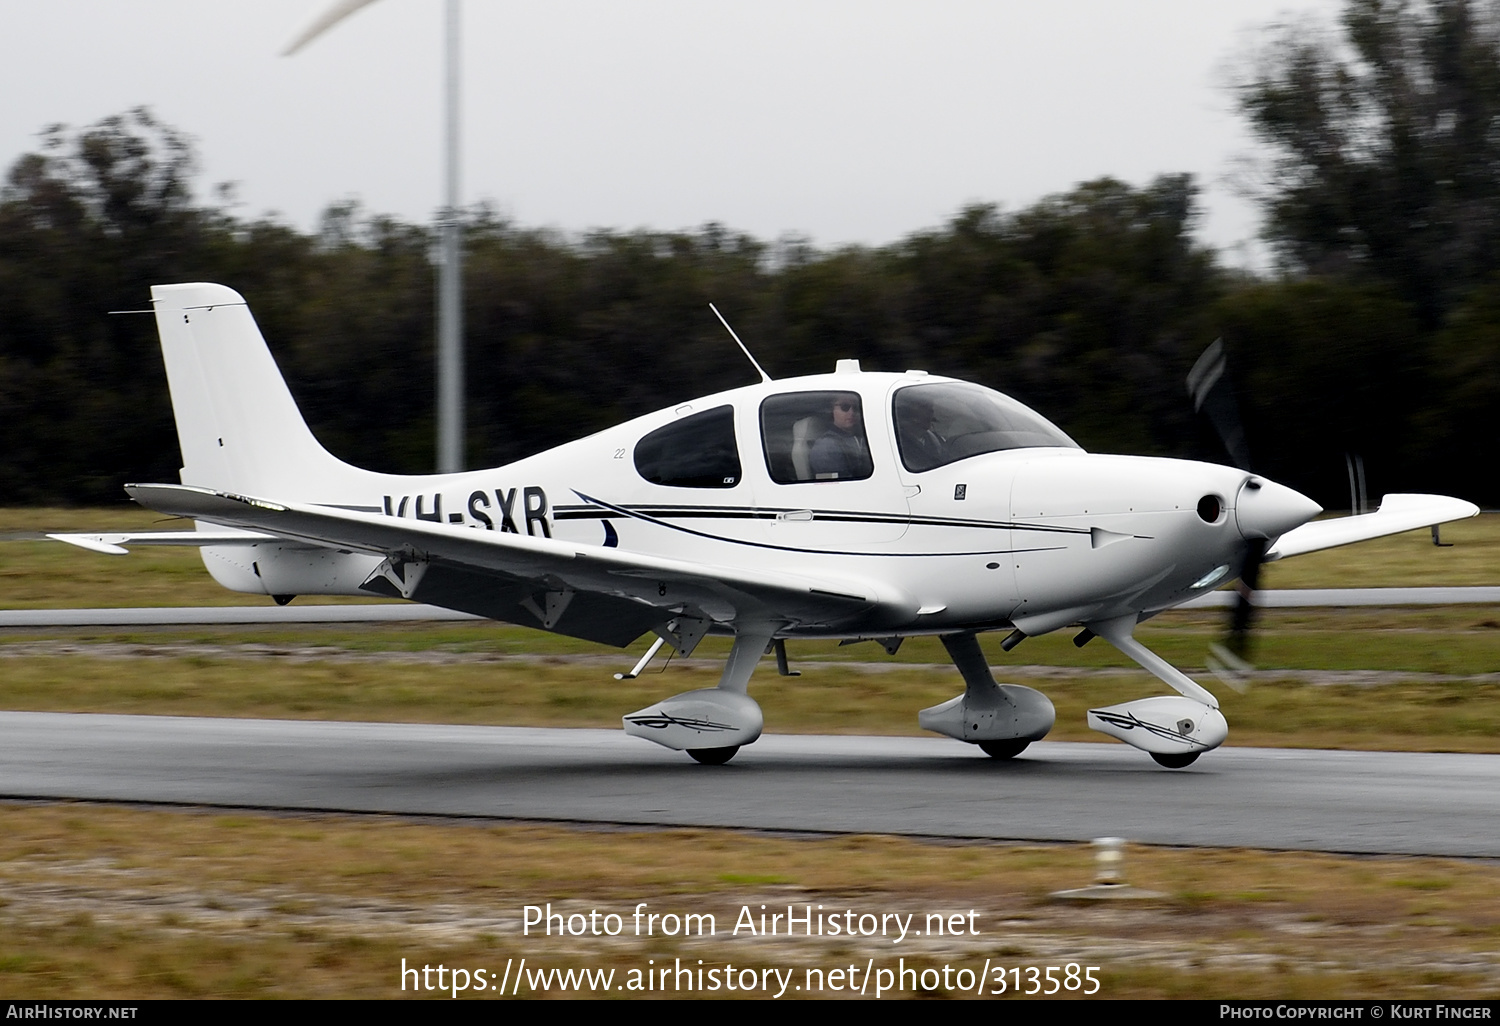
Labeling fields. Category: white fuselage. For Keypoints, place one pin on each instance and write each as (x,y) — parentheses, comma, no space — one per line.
(1037,537)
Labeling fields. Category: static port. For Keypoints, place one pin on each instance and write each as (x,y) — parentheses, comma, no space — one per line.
(1209,508)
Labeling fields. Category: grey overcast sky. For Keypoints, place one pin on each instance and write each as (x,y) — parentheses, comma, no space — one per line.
(838,120)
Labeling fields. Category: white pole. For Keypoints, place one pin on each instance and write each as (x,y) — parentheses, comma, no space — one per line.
(450,357)
(450,305)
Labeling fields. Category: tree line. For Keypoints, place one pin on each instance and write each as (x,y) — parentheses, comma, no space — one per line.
(1378,334)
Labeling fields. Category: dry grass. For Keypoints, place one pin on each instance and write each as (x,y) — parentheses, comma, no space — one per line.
(1395,715)
(127,903)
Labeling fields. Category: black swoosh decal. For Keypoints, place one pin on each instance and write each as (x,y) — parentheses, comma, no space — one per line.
(645,518)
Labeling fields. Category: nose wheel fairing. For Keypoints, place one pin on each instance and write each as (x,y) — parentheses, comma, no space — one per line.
(1168,725)
(1173,729)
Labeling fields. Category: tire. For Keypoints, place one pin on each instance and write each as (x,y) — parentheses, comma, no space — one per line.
(713,756)
(1179,761)
(1003,749)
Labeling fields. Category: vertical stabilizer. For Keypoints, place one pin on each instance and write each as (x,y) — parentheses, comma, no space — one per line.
(239,428)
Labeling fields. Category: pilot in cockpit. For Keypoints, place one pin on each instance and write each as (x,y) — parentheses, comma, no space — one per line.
(921,445)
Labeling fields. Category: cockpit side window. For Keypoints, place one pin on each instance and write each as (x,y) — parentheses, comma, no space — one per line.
(947,421)
(815,436)
(699,451)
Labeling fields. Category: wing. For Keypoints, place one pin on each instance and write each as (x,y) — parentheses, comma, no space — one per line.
(1397,513)
(588,591)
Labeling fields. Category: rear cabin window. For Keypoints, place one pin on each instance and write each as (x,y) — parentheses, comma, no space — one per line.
(699,451)
(815,436)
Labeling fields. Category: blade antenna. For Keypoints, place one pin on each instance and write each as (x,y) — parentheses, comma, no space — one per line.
(764,377)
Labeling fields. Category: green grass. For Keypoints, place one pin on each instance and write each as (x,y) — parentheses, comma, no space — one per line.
(1443,639)
(38,574)
(1404,560)
(52,575)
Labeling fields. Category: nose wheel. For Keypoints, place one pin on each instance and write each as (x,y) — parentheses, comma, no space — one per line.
(1003,749)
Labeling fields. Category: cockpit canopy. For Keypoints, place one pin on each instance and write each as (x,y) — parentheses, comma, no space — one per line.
(817,435)
(946,421)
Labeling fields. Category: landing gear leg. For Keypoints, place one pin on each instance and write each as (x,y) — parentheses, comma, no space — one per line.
(1172,730)
(743,657)
(710,724)
(1002,719)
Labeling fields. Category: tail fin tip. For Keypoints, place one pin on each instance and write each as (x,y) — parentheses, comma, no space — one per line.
(195,295)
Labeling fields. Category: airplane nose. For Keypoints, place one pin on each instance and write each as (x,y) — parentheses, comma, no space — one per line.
(1265,509)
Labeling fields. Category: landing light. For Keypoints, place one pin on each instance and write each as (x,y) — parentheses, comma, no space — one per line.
(1212,577)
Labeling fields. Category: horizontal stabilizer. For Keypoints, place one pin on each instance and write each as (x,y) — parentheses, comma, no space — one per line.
(1397,514)
(114,544)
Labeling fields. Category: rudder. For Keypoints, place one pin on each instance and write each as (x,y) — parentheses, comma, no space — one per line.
(239,427)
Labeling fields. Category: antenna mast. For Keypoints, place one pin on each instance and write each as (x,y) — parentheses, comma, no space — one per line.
(764,377)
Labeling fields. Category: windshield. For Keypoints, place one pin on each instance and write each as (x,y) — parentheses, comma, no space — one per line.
(947,421)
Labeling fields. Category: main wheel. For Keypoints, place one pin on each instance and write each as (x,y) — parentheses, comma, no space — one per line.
(1176,761)
(713,756)
(1003,749)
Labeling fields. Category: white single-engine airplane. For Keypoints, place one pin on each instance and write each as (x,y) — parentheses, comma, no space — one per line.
(848,505)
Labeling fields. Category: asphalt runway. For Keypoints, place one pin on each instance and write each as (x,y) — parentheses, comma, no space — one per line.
(1362,802)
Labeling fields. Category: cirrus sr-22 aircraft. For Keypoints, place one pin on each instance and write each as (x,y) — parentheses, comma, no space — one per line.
(849,505)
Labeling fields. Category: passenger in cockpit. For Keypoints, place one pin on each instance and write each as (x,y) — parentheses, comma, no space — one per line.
(841,454)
